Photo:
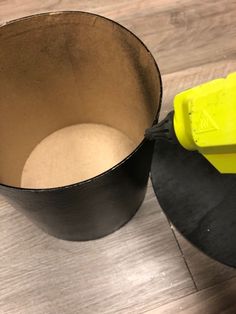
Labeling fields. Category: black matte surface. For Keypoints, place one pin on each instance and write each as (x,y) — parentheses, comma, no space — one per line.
(197,199)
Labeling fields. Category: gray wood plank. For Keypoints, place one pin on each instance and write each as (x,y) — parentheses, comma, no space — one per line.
(219,299)
(180,35)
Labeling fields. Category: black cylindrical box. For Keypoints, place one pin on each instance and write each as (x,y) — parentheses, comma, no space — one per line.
(76,95)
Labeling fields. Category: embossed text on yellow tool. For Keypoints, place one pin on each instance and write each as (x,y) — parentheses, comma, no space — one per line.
(205,120)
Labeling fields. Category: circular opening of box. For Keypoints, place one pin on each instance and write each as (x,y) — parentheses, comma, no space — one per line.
(77,92)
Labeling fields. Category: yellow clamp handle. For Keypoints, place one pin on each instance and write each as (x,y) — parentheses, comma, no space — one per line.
(205,120)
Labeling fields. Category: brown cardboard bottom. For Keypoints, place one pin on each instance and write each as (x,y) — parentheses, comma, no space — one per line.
(74,154)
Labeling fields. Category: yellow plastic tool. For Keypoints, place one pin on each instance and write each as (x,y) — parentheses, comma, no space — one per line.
(205,120)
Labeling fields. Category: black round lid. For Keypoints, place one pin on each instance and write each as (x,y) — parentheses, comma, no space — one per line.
(197,199)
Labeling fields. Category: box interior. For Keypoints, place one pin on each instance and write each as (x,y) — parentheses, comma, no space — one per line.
(76,95)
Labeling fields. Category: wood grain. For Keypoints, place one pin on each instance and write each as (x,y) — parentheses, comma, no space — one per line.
(219,299)
(179,34)
(206,272)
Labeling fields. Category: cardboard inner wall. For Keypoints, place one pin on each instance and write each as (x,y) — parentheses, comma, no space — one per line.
(77,92)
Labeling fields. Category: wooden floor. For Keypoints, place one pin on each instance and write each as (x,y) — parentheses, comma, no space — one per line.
(146,266)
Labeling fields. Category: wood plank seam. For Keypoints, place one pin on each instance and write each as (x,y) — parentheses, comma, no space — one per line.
(183,256)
